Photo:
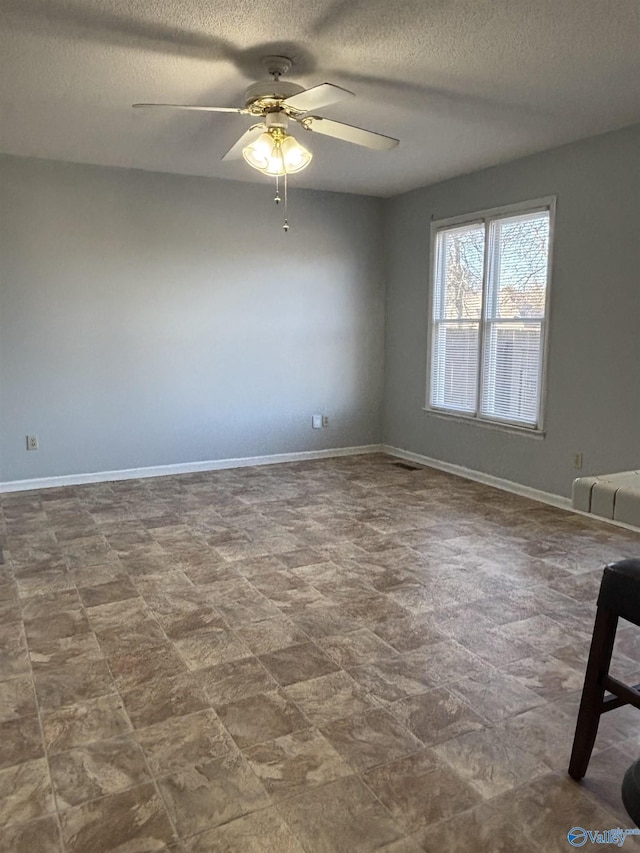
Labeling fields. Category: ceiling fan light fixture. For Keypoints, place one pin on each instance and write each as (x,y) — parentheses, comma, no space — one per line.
(275,153)
(296,157)
(275,166)
(257,154)
(267,146)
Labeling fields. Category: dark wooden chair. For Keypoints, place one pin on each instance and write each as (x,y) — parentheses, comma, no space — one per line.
(619,598)
(631,792)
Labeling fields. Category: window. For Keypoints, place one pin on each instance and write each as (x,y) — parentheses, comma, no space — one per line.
(488,320)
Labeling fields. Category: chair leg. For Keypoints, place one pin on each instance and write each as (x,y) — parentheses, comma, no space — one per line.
(604,634)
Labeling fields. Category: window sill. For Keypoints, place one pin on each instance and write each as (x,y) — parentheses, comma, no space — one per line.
(512,428)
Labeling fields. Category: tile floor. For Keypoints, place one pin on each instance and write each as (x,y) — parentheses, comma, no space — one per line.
(341,655)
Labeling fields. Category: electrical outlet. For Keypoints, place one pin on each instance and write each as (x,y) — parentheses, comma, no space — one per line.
(577,461)
(316,421)
(325,420)
(32,442)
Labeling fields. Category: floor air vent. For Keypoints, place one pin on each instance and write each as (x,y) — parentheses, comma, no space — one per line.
(406,466)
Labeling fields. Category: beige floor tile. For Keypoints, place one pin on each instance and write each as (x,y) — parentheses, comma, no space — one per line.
(180,741)
(81,648)
(486,828)
(393,678)
(96,770)
(409,632)
(17,698)
(545,733)
(115,614)
(464,614)
(85,722)
(160,698)
(104,593)
(136,667)
(372,738)
(356,648)
(88,576)
(132,820)
(271,635)
(330,697)
(25,792)
(45,581)
(297,663)
(300,557)
(20,740)
(186,622)
(202,650)
(261,717)
(68,683)
(14,658)
(63,624)
(36,836)
(211,793)
(486,640)
(321,618)
(491,763)
(547,675)
(341,817)
(137,635)
(496,695)
(437,716)
(293,763)
(39,608)
(404,845)
(420,789)
(229,682)
(447,661)
(260,832)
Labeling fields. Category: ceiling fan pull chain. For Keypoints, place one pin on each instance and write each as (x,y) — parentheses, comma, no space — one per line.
(277,198)
(285,225)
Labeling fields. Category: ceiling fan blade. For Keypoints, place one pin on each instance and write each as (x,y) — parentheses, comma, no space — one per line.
(349,133)
(247,138)
(194,107)
(317,97)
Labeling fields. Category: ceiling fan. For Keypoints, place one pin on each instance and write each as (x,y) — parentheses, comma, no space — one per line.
(267,145)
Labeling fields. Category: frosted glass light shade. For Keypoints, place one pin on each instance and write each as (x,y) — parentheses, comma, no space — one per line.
(257,154)
(274,156)
(296,157)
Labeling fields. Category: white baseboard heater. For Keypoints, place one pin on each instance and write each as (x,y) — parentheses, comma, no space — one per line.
(614,496)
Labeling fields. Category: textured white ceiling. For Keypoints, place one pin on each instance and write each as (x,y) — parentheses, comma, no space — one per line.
(463,83)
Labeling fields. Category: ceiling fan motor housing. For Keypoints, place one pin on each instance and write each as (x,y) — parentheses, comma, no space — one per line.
(268,92)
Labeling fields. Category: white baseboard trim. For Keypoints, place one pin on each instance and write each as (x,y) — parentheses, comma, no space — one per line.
(302,456)
(480,477)
(499,483)
(183,468)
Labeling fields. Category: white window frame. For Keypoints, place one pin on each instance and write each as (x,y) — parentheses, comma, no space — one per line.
(547,203)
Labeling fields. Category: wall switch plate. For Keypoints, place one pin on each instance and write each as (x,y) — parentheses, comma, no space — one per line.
(577,461)
(32,442)
(316,421)
(325,420)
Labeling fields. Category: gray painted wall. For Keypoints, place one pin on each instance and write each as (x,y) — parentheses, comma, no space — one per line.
(593,377)
(150,319)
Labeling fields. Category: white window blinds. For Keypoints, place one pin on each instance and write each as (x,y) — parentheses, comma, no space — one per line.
(488,320)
